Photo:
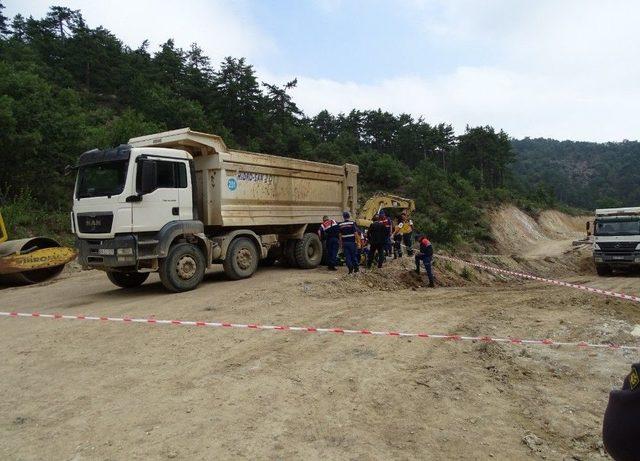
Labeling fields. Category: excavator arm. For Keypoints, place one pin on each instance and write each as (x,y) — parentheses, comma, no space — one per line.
(382,201)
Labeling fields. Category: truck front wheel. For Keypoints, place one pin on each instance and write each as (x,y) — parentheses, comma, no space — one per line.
(241,260)
(183,268)
(603,270)
(128,279)
(308,251)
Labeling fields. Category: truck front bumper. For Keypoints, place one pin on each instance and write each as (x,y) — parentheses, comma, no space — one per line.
(120,251)
(627,259)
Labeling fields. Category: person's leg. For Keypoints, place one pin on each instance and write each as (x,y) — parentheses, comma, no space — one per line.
(355,257)
(429,269)
(349,249)
(332,250)
(381,256)
(372,251)
(408,242)
(417,259)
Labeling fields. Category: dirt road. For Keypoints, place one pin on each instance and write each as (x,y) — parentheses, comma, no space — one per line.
(74,390)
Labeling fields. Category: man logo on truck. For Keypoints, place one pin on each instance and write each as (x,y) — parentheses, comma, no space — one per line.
(232,184)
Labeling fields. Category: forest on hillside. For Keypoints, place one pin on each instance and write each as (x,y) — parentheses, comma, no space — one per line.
(66,87)
(582,174)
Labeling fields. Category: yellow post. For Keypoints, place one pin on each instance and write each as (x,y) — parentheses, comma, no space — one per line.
(3,230)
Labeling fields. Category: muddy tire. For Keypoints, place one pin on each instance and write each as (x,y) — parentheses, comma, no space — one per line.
(128,279)
(308,251)
(289,253)
(603,270)
(241,260)
(183,268)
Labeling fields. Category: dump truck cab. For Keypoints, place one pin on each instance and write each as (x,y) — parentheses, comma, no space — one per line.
(126,200)
(135,204)
(616,239)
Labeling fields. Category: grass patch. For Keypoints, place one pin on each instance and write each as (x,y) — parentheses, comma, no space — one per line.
(24,217)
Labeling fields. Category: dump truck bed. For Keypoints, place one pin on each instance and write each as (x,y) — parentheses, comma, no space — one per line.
(245,189)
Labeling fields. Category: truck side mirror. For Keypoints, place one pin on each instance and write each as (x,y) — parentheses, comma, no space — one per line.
(148,176)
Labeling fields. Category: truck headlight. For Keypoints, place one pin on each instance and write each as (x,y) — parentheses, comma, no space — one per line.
(596,246)
(125,251)
(638,247)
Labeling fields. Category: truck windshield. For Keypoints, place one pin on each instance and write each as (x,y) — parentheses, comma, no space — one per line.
(618,227)
(102,179)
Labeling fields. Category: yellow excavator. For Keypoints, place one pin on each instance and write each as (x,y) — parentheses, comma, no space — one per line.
(30,260)
(393,205)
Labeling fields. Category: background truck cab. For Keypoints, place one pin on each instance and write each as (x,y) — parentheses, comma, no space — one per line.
(616,239)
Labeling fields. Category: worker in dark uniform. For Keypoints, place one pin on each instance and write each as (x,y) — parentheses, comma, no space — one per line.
(388,225)
(329,232)
(348,231)
(620,428)
(426,256)
(377,236)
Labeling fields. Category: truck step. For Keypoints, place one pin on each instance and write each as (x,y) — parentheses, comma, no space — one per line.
(148,242)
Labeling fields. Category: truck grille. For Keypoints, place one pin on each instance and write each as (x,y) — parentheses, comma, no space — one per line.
(618,247)
(95,223)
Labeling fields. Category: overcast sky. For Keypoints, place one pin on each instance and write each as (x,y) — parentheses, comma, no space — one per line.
(567,69)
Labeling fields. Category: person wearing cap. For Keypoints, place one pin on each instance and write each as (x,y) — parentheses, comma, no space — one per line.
(620,428)
(348,231)
(388,224)
(426,256)
(329,232)
(377,235)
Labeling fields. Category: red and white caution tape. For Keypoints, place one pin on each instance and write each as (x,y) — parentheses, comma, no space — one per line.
(545,280)
(255,326)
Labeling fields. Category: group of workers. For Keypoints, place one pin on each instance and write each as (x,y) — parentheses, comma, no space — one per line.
(375,243)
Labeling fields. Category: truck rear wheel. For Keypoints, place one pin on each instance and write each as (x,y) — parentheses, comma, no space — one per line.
(183,268)
(308,251)
(603,270)
(128,279)
(241,260)
(289,253)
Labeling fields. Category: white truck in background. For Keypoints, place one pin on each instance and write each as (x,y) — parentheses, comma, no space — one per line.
(616,239)
(180,201)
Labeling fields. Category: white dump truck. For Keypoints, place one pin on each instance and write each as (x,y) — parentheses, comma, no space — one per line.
(181,201)
(616,239)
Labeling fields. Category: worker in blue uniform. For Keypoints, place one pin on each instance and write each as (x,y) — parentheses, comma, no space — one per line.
(330,232)
(348,231)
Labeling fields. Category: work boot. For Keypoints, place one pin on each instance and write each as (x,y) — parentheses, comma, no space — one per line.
(350,271)
(332,268)
(357,269)
(431,284)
